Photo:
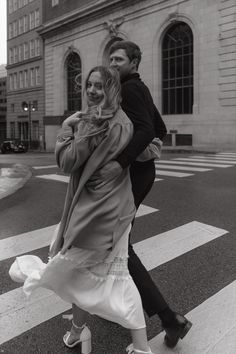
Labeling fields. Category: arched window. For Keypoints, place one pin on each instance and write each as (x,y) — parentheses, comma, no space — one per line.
(177,70)
(74,86)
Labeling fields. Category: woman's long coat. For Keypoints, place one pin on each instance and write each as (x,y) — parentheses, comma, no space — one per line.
(94,217)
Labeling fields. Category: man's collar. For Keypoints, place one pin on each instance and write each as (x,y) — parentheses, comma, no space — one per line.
(130,76)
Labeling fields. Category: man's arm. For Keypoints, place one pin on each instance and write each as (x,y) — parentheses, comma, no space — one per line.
(134,105)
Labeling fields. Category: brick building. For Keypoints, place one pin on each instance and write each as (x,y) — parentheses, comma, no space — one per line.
(25,72)
(189,61)
(3,103)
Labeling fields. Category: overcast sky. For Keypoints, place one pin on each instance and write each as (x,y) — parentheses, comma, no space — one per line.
(3,33)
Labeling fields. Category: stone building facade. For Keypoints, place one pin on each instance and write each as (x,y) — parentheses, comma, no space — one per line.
(188,62)
(25,72)
(3,103)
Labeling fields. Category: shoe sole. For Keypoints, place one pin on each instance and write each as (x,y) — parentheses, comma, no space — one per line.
(186,329)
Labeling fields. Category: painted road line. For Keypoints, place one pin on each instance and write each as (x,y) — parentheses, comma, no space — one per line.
(30,241)
(205,160)
(214,329)
(158,179)
(44,167)
(26,242)
(55,177)
(214,157)
(164,247)
(144,210)
(193,163)
(173,174)
(183,168)
(227,153)
(19,315)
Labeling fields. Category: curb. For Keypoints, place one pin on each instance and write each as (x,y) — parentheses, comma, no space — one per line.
(14,178)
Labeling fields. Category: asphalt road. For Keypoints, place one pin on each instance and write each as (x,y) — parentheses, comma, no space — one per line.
(187,280)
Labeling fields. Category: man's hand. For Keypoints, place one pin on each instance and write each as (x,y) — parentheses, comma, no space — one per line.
(107,173)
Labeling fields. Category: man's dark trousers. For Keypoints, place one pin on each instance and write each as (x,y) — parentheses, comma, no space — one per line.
(142,177)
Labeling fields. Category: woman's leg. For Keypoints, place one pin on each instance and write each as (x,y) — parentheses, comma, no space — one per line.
(139,339)
(79,319)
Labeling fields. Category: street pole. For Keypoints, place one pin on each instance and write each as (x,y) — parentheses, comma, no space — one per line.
(29,116)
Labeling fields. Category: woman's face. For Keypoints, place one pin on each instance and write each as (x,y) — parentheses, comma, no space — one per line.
(94,89)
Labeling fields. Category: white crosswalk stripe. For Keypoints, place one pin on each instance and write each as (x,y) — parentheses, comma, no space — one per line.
(214,327)
(205,159)
(19,314)
(190,163)
(182,168)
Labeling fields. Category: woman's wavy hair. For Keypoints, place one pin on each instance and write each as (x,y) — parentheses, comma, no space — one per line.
(111,87)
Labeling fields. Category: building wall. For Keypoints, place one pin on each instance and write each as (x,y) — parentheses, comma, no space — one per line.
(213,121)
(18,62)
(3,107)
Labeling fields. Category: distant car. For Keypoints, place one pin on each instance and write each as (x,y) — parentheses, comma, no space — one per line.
(9,146)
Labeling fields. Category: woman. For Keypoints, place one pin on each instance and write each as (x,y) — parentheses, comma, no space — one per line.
(88,258)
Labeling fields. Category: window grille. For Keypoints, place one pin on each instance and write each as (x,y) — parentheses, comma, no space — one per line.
(177,70)
(73,82)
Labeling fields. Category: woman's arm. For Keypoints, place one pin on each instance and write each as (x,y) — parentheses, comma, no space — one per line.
(74,148)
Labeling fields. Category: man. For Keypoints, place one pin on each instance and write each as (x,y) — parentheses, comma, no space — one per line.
(138,104)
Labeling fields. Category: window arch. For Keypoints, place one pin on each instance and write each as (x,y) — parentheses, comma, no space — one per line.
(74,83)
(177,70)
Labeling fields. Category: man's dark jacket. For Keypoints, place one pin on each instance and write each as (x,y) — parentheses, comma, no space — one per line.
(138,104)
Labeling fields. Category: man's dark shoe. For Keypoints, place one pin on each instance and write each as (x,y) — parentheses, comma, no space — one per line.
(178,329)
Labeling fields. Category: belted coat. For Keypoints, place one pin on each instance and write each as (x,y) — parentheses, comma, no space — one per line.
(94,217)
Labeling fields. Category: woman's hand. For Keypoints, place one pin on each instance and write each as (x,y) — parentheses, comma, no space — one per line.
(72,120)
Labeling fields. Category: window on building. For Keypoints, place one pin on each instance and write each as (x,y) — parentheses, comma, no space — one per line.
(25,78)
(36,17)
(177,70)
(12,130)
(15,5)
(15,49)
(15,25)
(10,82)
(55,2)
(32,20)
(26,51)
(25,2)
(10,30)
(37,46)
(73,66)
(26,23)
(20,4)
(37,75)
(35,130)
(21,79)
(21,25)
(13,107)
(32,48)
(20,52)
(32,77)
(10,6)
(11,57)
(23,130)
(15,81)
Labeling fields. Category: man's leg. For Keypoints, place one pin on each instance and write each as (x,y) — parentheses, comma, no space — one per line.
(142,176)
(176,326)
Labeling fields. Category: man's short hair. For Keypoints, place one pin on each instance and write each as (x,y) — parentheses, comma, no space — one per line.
(132,50)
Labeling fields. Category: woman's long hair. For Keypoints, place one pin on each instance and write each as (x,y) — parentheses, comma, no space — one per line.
(111,88)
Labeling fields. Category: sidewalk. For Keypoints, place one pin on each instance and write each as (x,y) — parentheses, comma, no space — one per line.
(12,178)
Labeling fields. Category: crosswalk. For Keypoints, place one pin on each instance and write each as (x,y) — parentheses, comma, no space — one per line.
(18,315)
(170,168)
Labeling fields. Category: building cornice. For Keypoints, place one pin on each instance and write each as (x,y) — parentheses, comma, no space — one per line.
(90,11)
